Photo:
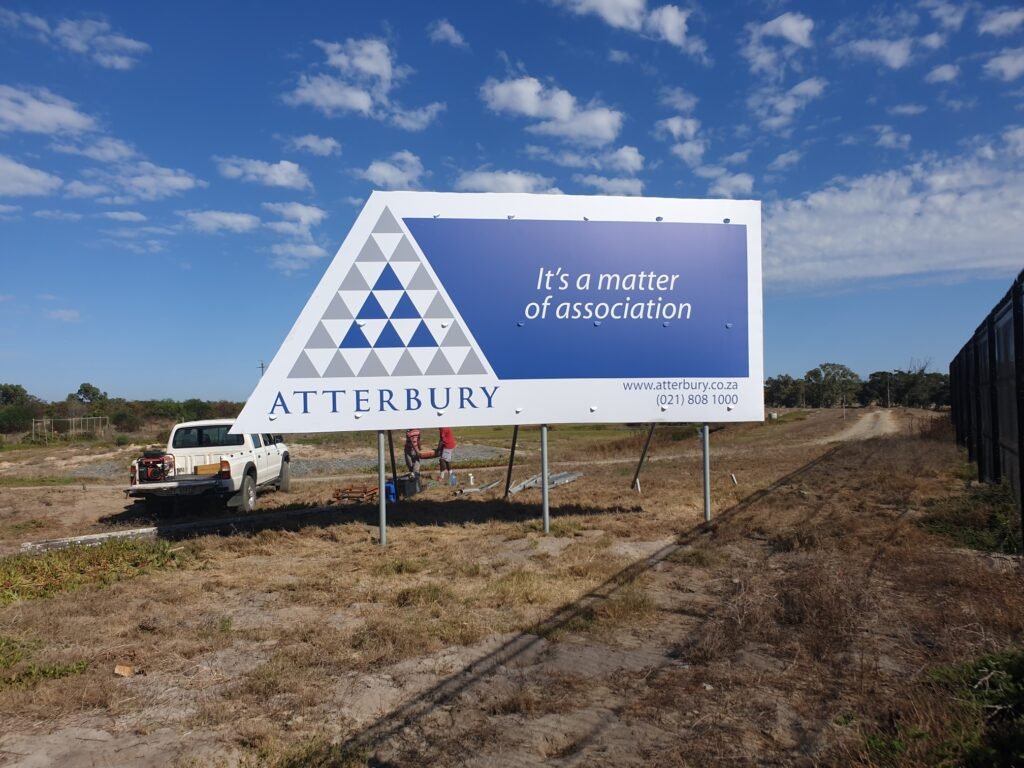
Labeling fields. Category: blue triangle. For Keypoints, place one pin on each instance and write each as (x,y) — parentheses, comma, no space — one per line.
(355,339)
(388,281)
(372,310)
(422,337)
(388,338)
(405,309)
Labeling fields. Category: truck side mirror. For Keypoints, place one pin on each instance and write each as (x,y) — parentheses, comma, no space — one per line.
(278,439)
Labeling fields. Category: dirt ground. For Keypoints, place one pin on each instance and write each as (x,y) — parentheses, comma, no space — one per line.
(789,631)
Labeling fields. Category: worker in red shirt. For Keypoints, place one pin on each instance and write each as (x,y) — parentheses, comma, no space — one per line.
(445,450)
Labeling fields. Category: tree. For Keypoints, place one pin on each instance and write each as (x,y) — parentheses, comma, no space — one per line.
(88,394)
(784,391)
(831,384)
(13,394)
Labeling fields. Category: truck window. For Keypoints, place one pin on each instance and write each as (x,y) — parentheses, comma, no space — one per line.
(268,439)
(210,436)
(256,441)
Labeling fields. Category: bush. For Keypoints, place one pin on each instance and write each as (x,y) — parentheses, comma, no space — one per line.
(126,421)
(122,440)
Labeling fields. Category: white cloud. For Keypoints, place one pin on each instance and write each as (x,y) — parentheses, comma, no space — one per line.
(503,181)
(294,257)
(281,174)
(366,73)
(124,215)
(932,40)
(556,108)
(764,58)
(221,221)
(39,111)
(17,180)
(401,171)
(678,99)
(104,150)
(298,219)
(148,181)
(732,185)
(9,210)
(351,200)
(890,139)
(316,145)
(737,158)
(668,22)
(1001,21)
(330,95)
(677,127)
(776,109)
(618,57)
(894,54)
(442,31)
(690,152)
(1007,66)
(786,160)
(64,315)
(942,73)
(1014,138)
(416,119)
(607,186)
(57,215)
(82,189)
(626,159)
(922,218)
(949,15)
(907,109)
(88,37)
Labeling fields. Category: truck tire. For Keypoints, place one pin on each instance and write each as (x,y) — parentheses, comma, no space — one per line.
(284,480)
(247,494)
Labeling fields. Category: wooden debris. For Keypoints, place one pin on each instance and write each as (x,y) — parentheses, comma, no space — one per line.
(356,494)
(127,670)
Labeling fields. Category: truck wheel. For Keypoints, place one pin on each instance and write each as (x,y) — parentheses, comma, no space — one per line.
(284,480)
(248,494)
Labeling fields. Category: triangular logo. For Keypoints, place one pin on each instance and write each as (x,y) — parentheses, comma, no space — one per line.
(388,316)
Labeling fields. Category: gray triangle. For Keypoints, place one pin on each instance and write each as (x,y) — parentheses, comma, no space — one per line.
(338,369)
(354,281)
(472,364)
(439,366)
(437,310)
(406,366)
(371,252)
(338,310)
(421,281)
(455,337)
(304,369)
(373,367)
(321,339)
(386,223)
(405,251)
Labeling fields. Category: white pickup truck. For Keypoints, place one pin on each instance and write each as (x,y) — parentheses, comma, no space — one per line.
(203,459)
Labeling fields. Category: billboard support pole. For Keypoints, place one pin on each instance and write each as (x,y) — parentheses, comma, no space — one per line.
(643,455)
(382,497)
(707,474)
(544,476)
(511,459)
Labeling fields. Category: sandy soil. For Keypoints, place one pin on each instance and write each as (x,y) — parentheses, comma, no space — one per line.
(644,638)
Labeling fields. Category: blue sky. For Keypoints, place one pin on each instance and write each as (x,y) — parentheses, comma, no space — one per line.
(174,178)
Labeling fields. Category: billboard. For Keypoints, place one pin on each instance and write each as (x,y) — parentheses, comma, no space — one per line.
(489,309)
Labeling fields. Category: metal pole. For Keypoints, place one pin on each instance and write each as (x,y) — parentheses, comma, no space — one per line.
(707,474)
(511,459)
(544,476)
(643,455)
(381,491)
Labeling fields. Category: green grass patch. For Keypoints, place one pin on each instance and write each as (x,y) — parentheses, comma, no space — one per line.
(984,518)
(13,652)
(31,576)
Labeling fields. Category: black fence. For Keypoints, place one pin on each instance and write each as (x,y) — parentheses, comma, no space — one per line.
(987,393)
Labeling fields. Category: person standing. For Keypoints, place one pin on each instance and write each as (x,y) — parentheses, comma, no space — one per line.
(412,450)
(445,449)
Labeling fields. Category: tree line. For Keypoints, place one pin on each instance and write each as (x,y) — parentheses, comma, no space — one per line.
(832,385)
(18,408)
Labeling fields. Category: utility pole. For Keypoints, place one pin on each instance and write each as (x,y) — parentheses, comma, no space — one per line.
(263,368)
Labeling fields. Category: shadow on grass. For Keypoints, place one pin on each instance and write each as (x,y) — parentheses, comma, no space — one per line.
(357,750)
(173,526)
